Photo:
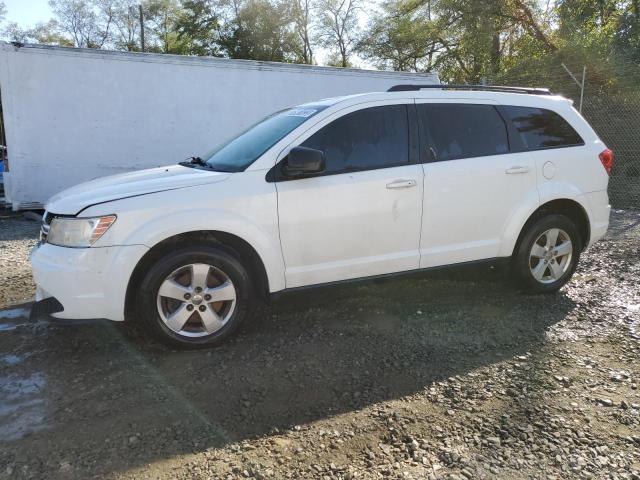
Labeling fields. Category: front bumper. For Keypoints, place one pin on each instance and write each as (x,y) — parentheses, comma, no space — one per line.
(89,283)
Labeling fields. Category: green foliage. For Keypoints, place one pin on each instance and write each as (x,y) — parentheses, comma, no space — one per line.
(44,33)
(161,27)
(400,39)
(261,30)
(199,24)
(471,41)
(465,41)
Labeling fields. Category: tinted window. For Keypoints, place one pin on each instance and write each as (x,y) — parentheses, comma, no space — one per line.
(540,128)
(242,150)
(369,138)
(464,131)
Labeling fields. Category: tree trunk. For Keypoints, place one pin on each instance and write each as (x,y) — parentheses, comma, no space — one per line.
(141,27)
(527,20)
(495,53)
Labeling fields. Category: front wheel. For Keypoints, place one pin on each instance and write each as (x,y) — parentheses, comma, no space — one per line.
(547,254)
(195,297)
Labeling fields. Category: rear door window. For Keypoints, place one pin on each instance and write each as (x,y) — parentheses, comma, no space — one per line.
(457,131)
(540,128)
(366,139)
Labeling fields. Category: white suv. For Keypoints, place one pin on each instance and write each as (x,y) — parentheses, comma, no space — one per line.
(340,189)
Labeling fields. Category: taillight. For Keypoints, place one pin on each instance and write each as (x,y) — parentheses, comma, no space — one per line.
(606,157)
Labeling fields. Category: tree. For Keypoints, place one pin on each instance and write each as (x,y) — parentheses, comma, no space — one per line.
(260,30)
(338,27)
(14,33)
(43,33)
(301,11)
(161,27)
(400,39)
(466,41)
(125,31)
(87,23)
(627,33)
(199,25)
(3,11)
(49,34)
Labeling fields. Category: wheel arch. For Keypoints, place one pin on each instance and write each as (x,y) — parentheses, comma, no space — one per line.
(246,252)
(570,208)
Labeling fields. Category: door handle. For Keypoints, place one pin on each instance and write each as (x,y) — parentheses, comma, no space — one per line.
(402,183)
(518,169)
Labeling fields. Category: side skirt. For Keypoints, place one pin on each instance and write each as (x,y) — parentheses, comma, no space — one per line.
(499,264)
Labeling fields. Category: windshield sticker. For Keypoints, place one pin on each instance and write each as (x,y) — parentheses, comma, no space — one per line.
(301,112)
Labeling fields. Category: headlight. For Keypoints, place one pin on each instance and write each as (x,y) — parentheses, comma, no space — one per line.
(78,232)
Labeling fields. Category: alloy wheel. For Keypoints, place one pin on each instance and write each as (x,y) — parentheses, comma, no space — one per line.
(550,255)
(196,300)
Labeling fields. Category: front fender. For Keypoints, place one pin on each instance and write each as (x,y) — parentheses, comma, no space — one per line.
(264,241)
(148,226)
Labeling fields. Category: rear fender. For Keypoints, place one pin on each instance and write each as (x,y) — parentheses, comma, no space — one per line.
(545,192)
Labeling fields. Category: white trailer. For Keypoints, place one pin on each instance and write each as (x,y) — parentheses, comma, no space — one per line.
(72,115)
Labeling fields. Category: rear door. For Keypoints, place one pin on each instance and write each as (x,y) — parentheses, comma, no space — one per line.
(362,216)
(473,182)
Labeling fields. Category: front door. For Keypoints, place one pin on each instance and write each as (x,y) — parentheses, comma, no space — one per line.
(362,216)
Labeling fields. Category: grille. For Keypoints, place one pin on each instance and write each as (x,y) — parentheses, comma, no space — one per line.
(44,229)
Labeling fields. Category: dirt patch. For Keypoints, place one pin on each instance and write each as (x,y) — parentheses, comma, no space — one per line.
(447,376)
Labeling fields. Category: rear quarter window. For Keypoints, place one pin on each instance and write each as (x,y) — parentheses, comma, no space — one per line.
(540,128)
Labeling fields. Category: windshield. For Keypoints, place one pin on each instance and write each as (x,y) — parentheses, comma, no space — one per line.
(244,149)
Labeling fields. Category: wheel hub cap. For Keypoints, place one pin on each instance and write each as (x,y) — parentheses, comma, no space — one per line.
(196,300)
(550,255)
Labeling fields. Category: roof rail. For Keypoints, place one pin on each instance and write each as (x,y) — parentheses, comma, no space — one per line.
(486,88)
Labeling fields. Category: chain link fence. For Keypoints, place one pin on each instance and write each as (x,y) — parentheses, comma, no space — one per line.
(616,119)
(614,113)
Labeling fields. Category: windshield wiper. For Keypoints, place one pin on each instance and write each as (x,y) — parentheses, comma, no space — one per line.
(195,161)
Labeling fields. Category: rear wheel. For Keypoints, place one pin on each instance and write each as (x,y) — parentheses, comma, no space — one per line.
(195,297)
(548,254)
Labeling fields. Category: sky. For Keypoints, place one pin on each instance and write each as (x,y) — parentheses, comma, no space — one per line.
(27,12)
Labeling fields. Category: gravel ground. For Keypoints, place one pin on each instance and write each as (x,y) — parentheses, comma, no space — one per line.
(17,238)
(453,375)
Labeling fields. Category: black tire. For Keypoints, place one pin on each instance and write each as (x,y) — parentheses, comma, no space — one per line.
(522,263)
(216,255)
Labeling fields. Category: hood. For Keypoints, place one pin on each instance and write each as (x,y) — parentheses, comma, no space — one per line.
(115,187)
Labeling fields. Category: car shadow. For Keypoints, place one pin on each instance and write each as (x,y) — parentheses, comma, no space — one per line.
(118,398)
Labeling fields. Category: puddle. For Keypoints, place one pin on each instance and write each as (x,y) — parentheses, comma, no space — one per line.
(14,313)
(22,406)
(12,359)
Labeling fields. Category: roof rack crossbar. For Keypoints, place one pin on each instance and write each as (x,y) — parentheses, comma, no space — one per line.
(487,88)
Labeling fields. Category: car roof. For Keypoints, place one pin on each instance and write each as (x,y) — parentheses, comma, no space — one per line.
(465,96)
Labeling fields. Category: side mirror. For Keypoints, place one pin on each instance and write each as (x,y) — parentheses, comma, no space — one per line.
(304,161)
